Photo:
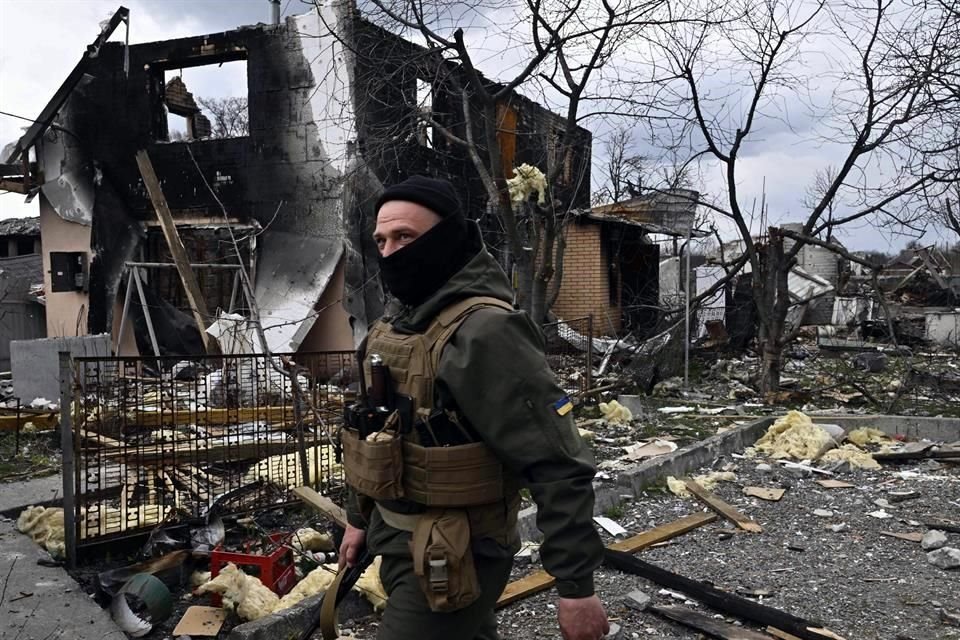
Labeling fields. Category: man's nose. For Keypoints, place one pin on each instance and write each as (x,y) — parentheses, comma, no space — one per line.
(389,246)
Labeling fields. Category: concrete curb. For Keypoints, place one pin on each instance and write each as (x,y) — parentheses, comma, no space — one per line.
(288,623)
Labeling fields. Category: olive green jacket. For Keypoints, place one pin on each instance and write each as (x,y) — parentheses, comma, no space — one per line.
(494,371)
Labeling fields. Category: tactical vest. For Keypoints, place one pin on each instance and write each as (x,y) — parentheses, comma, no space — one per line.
(389,469)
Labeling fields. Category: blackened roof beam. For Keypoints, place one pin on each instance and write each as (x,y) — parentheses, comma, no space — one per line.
(46,117)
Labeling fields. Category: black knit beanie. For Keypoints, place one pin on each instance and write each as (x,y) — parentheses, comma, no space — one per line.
(437,195)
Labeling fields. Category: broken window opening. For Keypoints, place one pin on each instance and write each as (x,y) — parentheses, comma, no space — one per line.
(25,246)
(215,106)
(424,109)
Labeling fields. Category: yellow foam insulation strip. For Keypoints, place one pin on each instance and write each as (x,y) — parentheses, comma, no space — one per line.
(308,539)
(854,455)
(45,527)
(794,436)
(708,482)
(615,412)
(284,469)
(249,597)
(865,435)
(252,600)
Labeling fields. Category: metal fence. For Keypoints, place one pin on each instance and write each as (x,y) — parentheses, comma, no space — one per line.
(570,352)
(164,440)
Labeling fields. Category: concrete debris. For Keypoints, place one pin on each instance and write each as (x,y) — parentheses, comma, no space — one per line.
(872,362)
(945,558)
(823,513)
(880,514)
(950,617)
(933,540)
(637,600)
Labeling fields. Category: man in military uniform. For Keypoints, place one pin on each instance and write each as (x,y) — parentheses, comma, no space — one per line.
(474,371)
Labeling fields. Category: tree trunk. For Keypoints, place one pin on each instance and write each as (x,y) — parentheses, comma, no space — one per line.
(773,300)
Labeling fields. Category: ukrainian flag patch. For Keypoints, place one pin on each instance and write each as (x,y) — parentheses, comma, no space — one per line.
(563,406)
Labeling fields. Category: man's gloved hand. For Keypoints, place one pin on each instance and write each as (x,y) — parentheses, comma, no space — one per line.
(352,546)
(581,618)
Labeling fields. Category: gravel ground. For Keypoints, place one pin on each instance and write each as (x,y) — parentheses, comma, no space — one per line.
(859,583)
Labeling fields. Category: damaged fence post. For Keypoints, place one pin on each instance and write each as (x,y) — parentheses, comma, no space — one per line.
(67,446)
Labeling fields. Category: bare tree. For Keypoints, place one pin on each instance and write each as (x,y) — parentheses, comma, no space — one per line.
(229,116)
(624,169)
(883,109)
(562,47)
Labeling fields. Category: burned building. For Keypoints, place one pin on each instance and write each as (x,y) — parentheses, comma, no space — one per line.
(333,111)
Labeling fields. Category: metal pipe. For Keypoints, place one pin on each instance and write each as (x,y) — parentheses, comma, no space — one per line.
(275,11)
(67,444)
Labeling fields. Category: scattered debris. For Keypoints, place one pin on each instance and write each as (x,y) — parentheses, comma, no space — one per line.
(140,604)
(615,412)
(933,540)
(611,527)
(945,558)
(200,622)
(707,481)
(835,484)
(795,436)
(911,536)
(637,600)
(764,493)
(722,508)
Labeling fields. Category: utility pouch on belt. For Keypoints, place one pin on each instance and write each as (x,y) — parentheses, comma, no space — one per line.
(443,561)
(374,465)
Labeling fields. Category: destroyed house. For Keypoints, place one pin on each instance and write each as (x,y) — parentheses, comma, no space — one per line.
(612,268)
(334,110)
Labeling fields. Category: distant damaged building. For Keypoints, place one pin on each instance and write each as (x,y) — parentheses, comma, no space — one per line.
(334,107)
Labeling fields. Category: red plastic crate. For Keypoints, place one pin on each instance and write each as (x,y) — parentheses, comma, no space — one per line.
(275,570)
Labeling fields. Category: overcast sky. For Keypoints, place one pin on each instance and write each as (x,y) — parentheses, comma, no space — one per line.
(41,41)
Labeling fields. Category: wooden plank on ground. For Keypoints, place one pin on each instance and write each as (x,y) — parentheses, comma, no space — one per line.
(663,532)
(765,493)
(711,626)
(722,508)
(322,504)
(44,420)
(835,484)
(911,536)
(541,580)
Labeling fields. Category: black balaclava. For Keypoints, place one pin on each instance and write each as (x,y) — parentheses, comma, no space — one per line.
(418,270)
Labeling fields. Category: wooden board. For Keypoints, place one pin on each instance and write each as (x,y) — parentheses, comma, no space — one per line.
(204,417)
(201,622)
(913,536)
(722,508)
(771,494)
(541,580)
(43,420)
(834,484)
(706,624)
(322,504)
(198,304)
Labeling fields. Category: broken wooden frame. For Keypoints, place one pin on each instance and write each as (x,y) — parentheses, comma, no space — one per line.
(718,600)
(140,450)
